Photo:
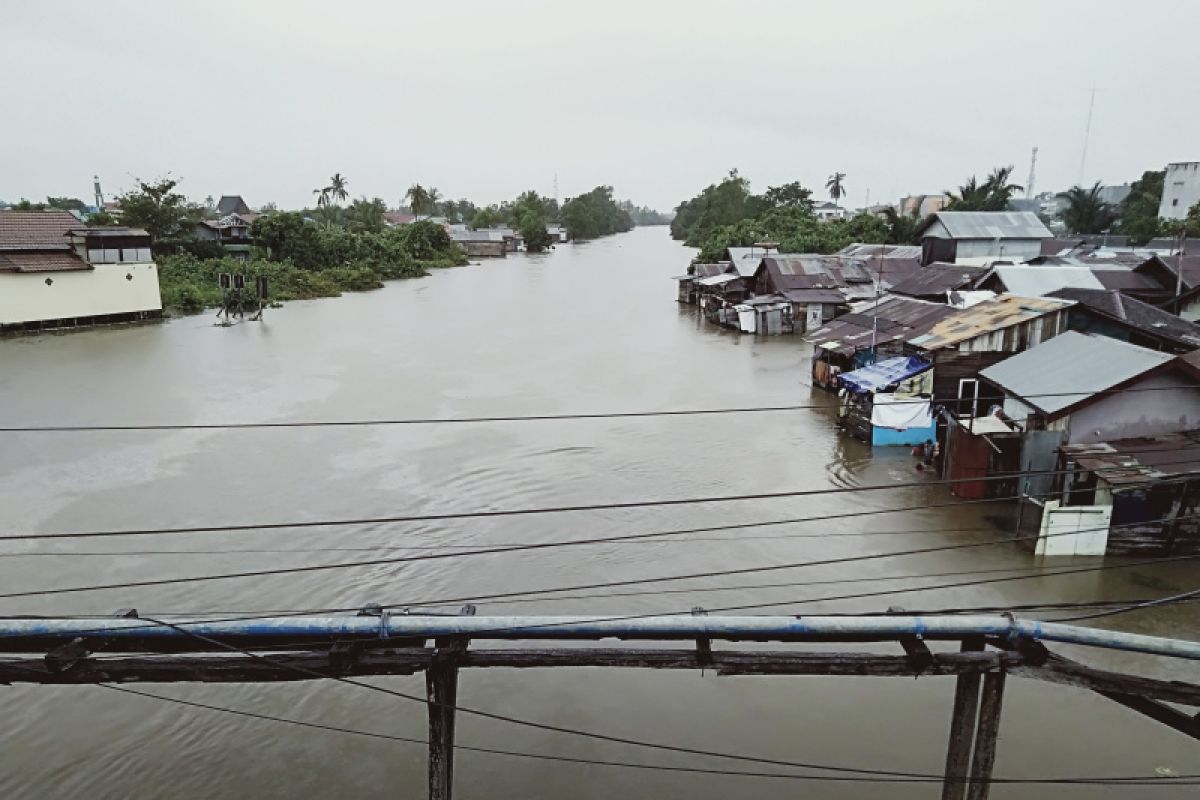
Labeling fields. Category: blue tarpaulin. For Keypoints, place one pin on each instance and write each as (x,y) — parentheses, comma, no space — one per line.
(882,374)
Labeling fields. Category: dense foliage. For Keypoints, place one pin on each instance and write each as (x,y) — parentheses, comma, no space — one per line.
(189,285)
(529,219)
(794,230)
(304,259)
(993,194)
(1086,211)
(595,214)
(1138,212)
(728,214)
(164,213)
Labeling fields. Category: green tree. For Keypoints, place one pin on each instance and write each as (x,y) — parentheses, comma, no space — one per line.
(595,214)
(161,211)
(432,199)
(488,217)
(529,215)
(26,205)
(418,199)
(101,219)
(789,195)
(1086,212)
(901,228)
(836,186)
(366,216)
(66,204)
(720,204)
(1187,227)
(1138,212)
(337,187)
(993,194)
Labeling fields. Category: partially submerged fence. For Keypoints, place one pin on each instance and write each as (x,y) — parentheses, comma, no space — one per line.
(375,642)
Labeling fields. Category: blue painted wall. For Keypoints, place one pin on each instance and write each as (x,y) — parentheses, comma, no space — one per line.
(885,437)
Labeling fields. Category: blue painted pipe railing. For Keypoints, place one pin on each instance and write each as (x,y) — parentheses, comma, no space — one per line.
(134,634)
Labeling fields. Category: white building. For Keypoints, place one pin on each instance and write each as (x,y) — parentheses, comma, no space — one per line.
(55,273)
(827,211)
(1181,190)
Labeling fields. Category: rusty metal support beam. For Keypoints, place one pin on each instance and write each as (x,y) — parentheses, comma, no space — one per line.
(962,729)
(986,733)
(441,690)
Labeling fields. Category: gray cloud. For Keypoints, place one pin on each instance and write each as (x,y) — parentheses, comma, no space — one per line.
(658,98)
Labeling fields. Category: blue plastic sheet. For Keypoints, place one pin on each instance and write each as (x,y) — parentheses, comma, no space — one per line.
(882,374)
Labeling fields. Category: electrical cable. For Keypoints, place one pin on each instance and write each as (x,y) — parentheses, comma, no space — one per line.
(520,512)
(522,417)
(1182,780)
(492,551)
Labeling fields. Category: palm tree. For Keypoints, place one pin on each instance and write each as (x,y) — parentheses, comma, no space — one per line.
(432,196)
(991,195)
(1086,212)
(902,228)
(418,198)
(337,187)
(322,197)
(998,190)
(836,187)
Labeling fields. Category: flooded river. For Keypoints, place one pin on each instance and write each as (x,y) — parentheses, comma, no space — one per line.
(587,328)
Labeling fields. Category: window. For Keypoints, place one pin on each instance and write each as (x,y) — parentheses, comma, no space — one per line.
(1175,201)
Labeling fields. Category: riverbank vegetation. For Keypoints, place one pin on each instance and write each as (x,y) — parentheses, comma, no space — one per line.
(728,214)
(338,246)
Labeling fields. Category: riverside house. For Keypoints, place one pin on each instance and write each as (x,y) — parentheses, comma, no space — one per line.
(57,273)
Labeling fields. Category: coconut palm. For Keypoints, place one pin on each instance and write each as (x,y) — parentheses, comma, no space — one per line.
(432,198)
(418,198)
(337,187)
(322,197)
(836,186)
(1086,212)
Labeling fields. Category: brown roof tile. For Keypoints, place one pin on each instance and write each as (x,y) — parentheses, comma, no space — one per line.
(36,230)
(44,261)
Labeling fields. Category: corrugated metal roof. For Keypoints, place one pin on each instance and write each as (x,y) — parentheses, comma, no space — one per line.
(1071,360)
(893,318)
(990,225)
(992,315)
(814,296)
(885,251)
(1136,314)
(717,280)
(937,279)
(745,259)
(1038,281)
(708,270)
(1133,461)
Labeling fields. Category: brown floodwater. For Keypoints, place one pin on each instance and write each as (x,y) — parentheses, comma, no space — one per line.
(587,328)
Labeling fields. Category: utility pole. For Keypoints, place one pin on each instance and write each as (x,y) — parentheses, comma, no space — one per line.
(1032,173)
(1087,133)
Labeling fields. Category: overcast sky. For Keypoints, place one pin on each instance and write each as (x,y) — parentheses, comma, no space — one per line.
(657,98)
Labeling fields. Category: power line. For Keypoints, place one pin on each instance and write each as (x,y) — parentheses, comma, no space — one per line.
(1182,780)
(532,511)
(438,556)
(520,417)
(1161,601)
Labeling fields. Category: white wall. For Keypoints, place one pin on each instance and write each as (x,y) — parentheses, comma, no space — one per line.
(25,297)
(1181,190)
